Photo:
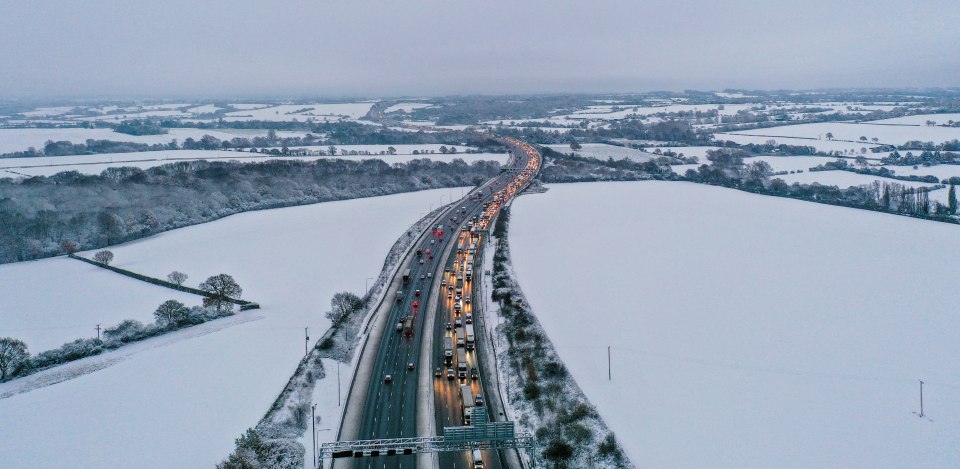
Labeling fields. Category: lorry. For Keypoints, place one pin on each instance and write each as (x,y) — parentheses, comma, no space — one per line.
(448,350)
(470,339)
(406,277)
(461,340)
(408,326)
(466,402)
(461,364)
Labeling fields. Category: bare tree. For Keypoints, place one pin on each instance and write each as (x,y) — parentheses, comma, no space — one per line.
(13,357)
(177,277)
(69,247)
(221,287)
(104,257)
(341,306)
(171,313)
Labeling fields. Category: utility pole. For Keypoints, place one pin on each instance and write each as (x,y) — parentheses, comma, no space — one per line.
(338,383)
(921,398)
(306,340)
(609,368)
(98,332)
(313,428)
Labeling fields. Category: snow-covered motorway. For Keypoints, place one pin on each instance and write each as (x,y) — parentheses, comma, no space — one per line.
(747,330)
(392,409)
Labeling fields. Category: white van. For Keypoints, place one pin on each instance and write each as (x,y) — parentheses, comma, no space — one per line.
(477,460)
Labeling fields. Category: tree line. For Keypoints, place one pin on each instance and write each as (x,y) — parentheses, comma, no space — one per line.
(46,216)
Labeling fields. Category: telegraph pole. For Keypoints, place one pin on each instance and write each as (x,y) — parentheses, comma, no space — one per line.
(609,368)
(338,383)
(306,340)
(98,332)
(921,398)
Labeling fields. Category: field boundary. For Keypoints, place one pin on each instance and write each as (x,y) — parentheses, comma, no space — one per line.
(244,304)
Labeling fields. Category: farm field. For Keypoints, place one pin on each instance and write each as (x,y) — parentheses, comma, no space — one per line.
(822,145)
(198,395)
(920,119)
(604,151)
(302,112)
(95,164)
(887,134)
(772,363)
(85,296)
(13,140)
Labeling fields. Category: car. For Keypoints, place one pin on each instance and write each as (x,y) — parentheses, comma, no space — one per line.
(457,322)
(421,261)
(423,277)
(416,293)
(432,241)
(429,274)
(443,283)
(449,327)
(478,400)
(450,373)
(449,296)
(469,320)
(400,325)
(438,373)
(474,373)
(410,366)
(467,300)
(447,270)
(450,287)
(459,297)
(388,379)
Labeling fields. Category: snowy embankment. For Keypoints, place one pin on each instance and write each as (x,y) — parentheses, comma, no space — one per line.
(748,331)
(182,404)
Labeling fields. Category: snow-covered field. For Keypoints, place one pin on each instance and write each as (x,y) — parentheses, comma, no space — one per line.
(12,140)
(941,171)
(748,331)
(95,164)
(843,179)
(406,107)
(887,134)
(790,163)
(49,302)
(822,145)
(699,152)
(603,151)
(920,119)
(302,112)
(182,405)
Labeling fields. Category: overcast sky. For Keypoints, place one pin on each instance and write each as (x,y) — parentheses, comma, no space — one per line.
(149,48)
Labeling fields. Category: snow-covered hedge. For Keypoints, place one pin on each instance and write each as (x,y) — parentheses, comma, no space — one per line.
(115,337)
(550,404)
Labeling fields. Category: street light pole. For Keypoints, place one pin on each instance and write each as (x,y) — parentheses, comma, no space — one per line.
(338,383)
(313,429)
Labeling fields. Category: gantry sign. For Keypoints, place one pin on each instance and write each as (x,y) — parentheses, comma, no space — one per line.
(480,435)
